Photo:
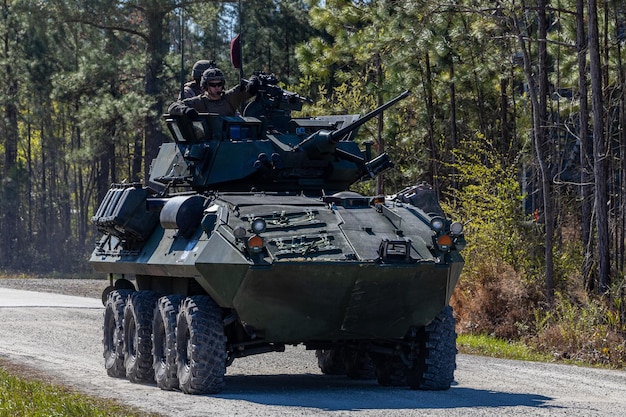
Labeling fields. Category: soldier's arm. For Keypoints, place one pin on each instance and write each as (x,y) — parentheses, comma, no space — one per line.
(186,107)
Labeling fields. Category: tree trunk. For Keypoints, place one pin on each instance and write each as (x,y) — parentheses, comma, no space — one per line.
(586,147)
(504,123)
(380,140)
(538,96)
(10,205)
(453,118)
(156,50)
(621,215)
(541,144)
(430,111)
(599,151)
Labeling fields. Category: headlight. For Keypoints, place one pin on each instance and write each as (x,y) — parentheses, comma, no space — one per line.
(456,228)
(239,232)
(258,225)
(437,224)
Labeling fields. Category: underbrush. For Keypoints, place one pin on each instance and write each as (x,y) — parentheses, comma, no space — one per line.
(496,301)
(29,396)
(587,330)
(502,293)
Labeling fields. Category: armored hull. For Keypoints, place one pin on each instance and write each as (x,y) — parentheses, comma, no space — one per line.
(221,273)
(322,273)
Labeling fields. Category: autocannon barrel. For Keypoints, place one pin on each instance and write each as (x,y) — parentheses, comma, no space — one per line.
(338,134)
(325,141)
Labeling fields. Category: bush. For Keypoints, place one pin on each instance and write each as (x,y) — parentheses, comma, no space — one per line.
(583,331)
(493,295)
(501,290)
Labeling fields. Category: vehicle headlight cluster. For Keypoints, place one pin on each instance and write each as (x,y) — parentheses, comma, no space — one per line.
(445,241)
(254,243)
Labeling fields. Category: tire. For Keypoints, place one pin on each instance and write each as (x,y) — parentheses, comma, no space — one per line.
(390,371)
(164,342)
(433,357)
(358,364)
(105,294)
(436,362)
(113,333)
(200,346)
(331,361)
(138,336)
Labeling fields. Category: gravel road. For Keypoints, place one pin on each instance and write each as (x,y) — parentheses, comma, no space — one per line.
(60,336)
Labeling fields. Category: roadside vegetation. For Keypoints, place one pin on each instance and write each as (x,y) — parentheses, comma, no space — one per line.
(30,396)
(501,304)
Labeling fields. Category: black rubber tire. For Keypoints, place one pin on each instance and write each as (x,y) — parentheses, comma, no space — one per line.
(105,294)
(331,361)
(358,364)
(390,371)
(436,363)
(138,336)
(433,367)
(200,346)
(164,342)
(113,333)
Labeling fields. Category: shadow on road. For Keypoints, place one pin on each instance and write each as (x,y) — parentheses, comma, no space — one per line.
(340,393)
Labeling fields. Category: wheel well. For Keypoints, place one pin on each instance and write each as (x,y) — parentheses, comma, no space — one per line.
(169,285)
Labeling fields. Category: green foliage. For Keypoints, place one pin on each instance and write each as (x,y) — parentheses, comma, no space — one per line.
(31,398)
(272,31)
(486,345)
(494,294)
(488,197)
(346,98)
(495,299)
(587,330)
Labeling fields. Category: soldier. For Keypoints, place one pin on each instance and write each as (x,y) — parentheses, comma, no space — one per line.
(192,88)
(213,98)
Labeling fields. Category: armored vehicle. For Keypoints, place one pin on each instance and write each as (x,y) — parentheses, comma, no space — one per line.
(246,239)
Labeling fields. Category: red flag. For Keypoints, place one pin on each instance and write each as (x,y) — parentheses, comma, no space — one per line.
(235,51)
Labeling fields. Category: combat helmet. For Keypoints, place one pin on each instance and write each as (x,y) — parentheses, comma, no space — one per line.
(199,67)
(211,74)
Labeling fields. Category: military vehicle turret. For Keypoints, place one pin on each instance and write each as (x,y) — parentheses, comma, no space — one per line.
(246,239)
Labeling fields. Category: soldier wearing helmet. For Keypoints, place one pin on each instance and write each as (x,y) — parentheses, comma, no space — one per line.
(193,88)
(213,98)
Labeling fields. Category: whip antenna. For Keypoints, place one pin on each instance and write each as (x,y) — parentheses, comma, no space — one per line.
(182,49)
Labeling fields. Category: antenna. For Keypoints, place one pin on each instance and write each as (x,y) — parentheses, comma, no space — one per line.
(182,49)
(240,42)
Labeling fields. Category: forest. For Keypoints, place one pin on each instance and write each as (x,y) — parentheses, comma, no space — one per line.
(516,119)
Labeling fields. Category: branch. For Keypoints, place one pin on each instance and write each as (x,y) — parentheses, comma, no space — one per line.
(107,27)
(531,39)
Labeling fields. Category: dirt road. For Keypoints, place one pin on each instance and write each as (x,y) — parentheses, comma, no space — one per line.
(61,336)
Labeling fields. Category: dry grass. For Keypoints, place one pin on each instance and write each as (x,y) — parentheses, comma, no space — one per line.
(492,299)
(495,301)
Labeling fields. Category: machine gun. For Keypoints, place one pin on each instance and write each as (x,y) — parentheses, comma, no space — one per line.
(273,105)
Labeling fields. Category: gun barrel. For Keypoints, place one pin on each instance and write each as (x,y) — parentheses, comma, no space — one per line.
(335,135)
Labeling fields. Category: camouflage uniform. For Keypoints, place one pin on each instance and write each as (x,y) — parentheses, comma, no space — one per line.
(193,88)
(226,105)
